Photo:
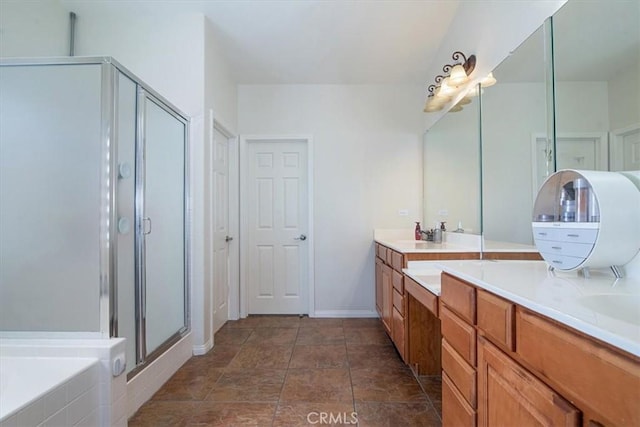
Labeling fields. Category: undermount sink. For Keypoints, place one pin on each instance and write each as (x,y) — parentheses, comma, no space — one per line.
(617,306)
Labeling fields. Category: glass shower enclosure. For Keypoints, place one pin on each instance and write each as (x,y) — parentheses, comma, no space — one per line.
(94,206)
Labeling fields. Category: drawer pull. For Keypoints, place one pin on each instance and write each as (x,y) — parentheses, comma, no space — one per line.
(573,235)
(559,248)
(555,261)
(542,234)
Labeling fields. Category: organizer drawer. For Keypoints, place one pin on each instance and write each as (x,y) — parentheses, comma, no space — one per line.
(580,250)
(561,234)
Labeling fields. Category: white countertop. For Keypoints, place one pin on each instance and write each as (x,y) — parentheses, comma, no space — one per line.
(402,241)
(426,274)
(601,306)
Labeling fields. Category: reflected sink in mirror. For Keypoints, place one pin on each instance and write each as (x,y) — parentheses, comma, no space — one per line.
(621,307)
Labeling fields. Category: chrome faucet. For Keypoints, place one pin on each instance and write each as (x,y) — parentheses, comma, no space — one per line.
(427,235)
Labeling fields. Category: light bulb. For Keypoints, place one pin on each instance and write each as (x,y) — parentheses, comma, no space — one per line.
(458,76)
(432,106)
(445,90)
(488,81)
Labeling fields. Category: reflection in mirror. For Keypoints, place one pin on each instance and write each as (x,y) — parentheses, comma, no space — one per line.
(452,169)
(514,145)
(597,73)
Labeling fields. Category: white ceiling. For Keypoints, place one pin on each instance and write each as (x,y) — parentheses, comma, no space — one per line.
(316,42)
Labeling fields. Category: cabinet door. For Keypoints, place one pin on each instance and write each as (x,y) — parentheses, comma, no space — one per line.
(379,286)
(508,395)
(387,289)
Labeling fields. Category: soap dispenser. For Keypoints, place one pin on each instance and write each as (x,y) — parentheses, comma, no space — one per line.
(418,232)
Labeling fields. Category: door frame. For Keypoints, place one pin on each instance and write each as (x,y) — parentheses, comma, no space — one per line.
(616,138)
(244,217)
(233,215)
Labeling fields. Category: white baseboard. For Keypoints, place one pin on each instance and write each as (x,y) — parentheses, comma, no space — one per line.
(345,313)
(143,386)
(199,350)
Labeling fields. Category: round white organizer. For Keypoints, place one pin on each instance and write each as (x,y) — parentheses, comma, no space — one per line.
(609,233)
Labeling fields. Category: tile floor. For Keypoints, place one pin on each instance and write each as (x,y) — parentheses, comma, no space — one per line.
(291,371)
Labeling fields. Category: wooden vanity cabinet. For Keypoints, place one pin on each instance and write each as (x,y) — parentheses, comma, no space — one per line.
(388,282)
(528,369)
(422,329)
(603,381)
(457,316)
(379,293)
(509,395)
(386,297)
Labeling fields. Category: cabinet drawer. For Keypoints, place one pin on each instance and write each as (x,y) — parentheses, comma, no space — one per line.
(496,319)
(460,372)
(459,297)
(398,301)
(560,234)
(398,282)
(562,262)
(381,252)
(581,369)
(397,261)
(459,334)
(398,334)
(424,297)
(389,255)
(581,250)
(456,412)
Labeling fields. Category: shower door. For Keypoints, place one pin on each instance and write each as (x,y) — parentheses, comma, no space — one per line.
(160,225)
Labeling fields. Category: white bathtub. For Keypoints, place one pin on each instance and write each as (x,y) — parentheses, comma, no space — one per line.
(61,382)
(55,390)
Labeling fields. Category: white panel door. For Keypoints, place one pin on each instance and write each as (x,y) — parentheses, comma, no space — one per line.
(626,149)
(277,266)
(220,228)
(576,153)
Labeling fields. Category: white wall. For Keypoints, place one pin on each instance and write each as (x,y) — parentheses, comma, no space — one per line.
(33,28)
(221,92)
(367,160)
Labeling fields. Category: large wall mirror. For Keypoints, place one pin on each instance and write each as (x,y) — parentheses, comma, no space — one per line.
(588,99)
(597,73)
(452,169)
(514,142)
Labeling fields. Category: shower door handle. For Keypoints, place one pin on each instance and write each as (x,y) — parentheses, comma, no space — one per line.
(146,221)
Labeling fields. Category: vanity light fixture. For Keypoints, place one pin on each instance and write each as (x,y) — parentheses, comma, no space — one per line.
(448,85)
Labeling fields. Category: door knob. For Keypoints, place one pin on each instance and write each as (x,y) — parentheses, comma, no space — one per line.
(302,237)
(228,239)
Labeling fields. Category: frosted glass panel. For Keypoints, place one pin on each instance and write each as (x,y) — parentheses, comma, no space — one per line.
(125,187)
(50,166)
(164,208)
